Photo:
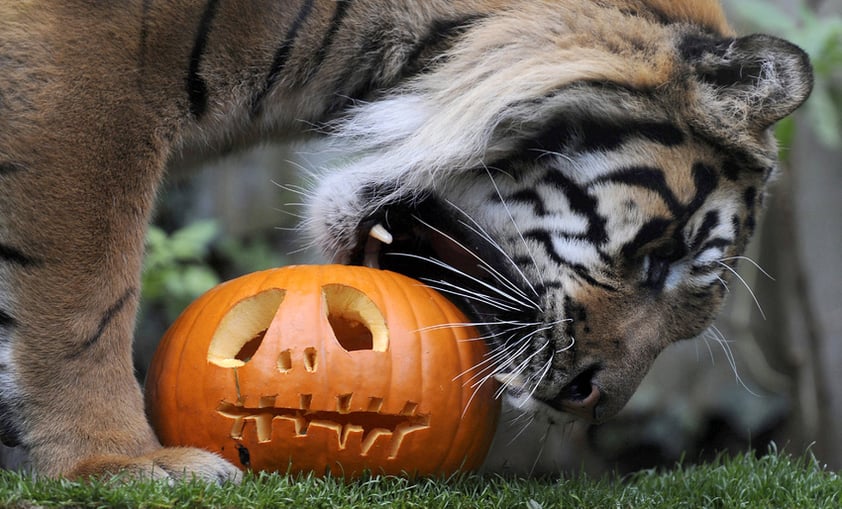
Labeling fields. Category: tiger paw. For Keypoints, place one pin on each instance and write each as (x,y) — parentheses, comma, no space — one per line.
(172,463)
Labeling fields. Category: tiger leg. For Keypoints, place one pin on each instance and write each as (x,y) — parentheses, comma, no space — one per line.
(72,224)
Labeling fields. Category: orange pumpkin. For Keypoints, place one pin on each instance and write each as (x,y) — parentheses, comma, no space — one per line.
(325,368)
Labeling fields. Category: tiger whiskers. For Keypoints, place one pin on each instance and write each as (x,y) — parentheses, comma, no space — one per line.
(457,325)
(514,379)
(530,420)
(534,379)
(499,360)
(485,374)
(513,360)
(719,338)
(751,261)
(514,224)
(304,221)
(455,290)
(524,299)
(544,153)
(476,228)
(722,282)
(543,443)
(447,287)
(747,286)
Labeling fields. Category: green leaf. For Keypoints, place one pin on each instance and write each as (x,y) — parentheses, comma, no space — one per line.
(193,240)
(251,256)
(824,115)
(785,133)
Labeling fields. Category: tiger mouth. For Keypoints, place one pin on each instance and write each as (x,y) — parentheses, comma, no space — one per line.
(432,242)
(439,245)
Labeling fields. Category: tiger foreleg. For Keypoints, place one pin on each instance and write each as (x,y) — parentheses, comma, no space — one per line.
(71,244)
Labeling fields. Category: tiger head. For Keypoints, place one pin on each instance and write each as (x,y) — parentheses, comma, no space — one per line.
(582,182)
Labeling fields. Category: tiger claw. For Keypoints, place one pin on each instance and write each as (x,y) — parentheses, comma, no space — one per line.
(377,236)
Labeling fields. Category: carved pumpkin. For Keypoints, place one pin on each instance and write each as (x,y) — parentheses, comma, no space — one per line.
(317,368)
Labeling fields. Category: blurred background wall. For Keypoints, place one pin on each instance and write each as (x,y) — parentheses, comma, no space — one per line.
(748,383)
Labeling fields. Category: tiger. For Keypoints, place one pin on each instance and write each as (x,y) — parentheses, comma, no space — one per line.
(580,176)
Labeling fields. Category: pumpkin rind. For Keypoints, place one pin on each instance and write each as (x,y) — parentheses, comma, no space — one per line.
(300,375)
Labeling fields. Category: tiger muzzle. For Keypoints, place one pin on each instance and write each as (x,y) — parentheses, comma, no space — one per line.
(580,398)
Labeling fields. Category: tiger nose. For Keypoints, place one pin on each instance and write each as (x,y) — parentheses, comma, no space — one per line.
(580,397)
(584,409)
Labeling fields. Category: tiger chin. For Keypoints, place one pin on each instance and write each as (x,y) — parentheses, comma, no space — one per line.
(581,177)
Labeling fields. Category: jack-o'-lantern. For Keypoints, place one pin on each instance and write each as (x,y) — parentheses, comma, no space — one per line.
(325,368)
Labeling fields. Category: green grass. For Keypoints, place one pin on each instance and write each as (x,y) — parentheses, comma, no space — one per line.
(774,480)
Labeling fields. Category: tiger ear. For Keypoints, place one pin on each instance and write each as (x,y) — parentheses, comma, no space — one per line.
(755,80)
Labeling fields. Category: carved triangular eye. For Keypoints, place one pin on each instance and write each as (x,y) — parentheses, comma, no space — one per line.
(241,330)
(355,319)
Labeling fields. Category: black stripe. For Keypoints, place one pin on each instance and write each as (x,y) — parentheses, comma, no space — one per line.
(7,320)
(600,135)
(339,14)
(439,34)
(8,167)
(651,231)
(647,178)
(736,225)
(710,222)
(545,286)
(660,17)
(361,77)
(197,89)
(718,242)
(581,203)
(528,197)
(546,240)
(14,255)
(751,224)
(704,176)
(750,197)
(10,432)
(731,169)
(104,321)
(706,180)
(595,134)
(362,68)
(143,37)
(279,61)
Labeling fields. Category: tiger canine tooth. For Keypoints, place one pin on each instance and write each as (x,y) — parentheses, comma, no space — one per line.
(380,233)
(377,236)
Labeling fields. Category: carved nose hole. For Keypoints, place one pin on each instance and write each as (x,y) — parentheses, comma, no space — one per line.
(311,361)
(356,321)
(242,329)
(285,361)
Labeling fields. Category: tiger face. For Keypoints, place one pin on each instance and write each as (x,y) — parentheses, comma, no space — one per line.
(599,225)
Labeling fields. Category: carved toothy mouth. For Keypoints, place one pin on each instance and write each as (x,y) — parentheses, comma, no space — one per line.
(367,428)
